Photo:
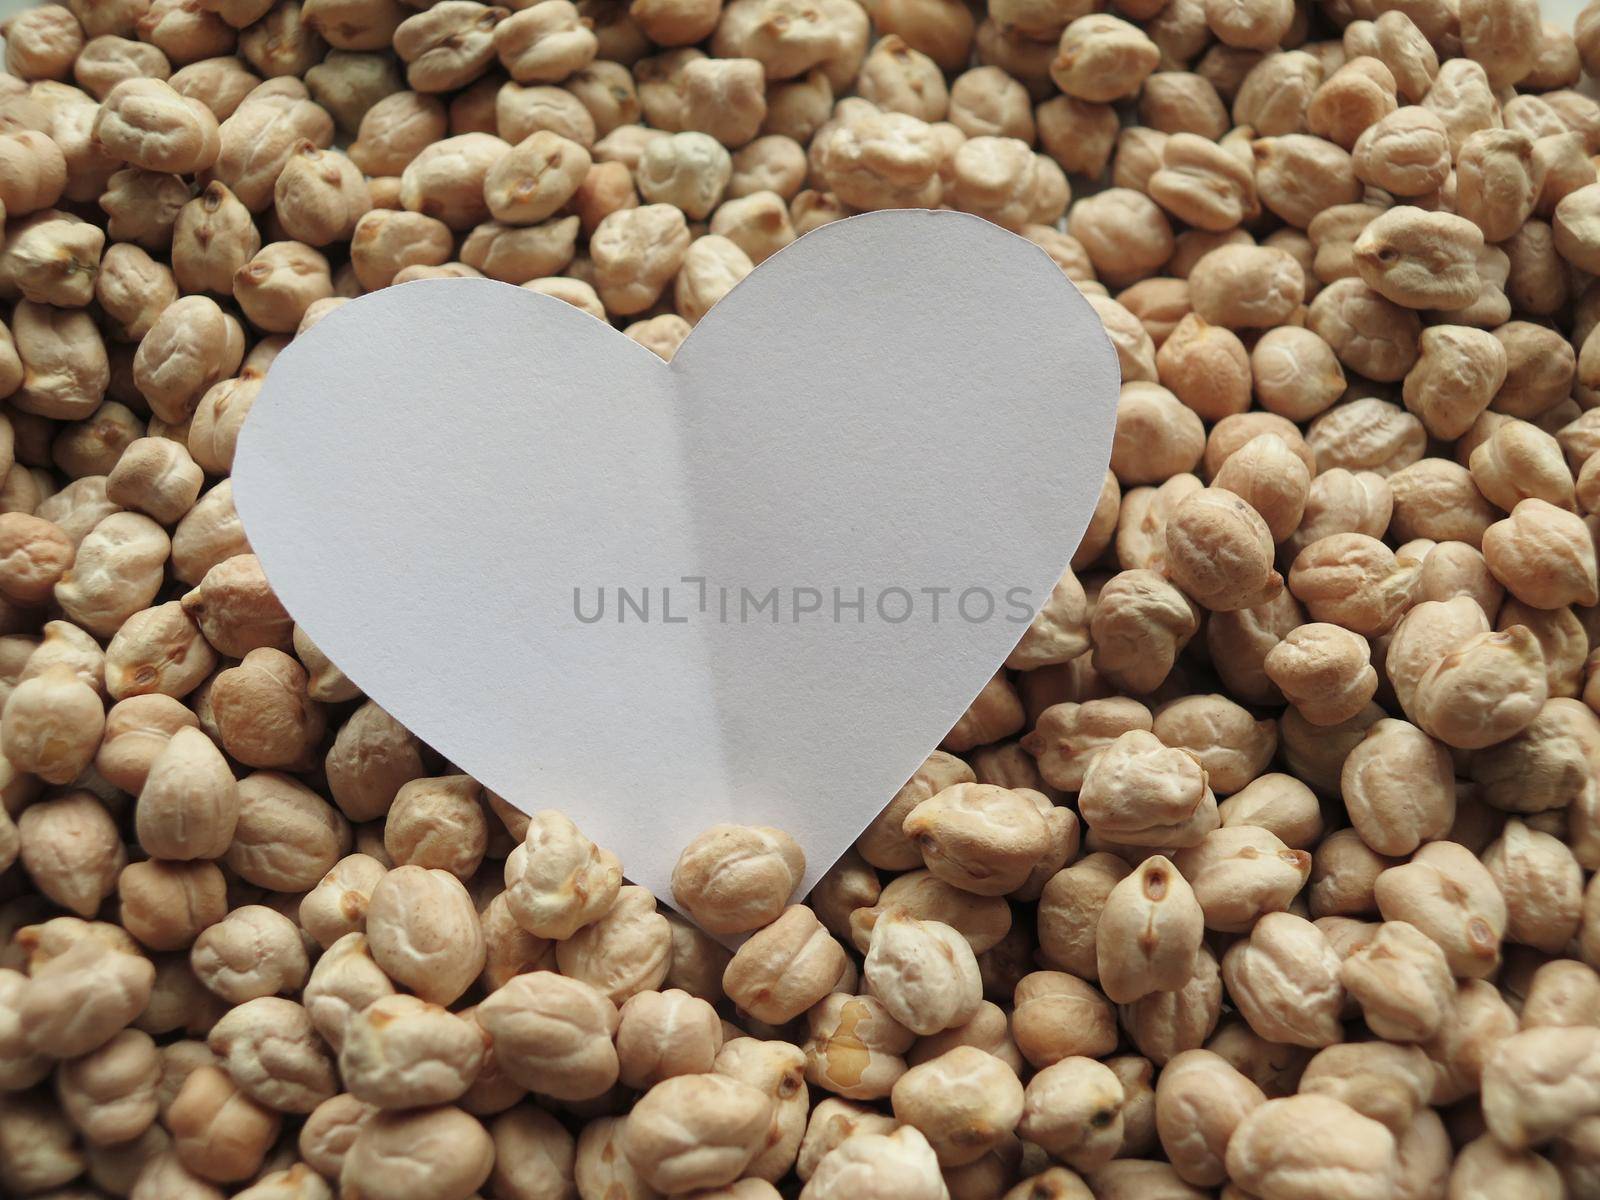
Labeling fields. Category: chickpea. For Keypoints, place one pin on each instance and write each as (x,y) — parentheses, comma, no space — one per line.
(695,1131)
(1140,792)
(786,967)
(734,878)
(1285,980)
(1450,896)
(900,1163)
(402,1052)
(1354,1157)
(424,932)
(429,1154)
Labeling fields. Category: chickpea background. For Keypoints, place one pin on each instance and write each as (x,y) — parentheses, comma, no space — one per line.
(1283,816)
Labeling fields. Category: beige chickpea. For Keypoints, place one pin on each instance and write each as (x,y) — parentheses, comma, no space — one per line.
(1543,555)
(1137,791)
(1537,1083)
(1539,369)
(735,878)
(1542,884)
(166,905)
(1353,580)
(1325,671)
(262,712)
(395,130)
(1345,870)
(964,1102)
(385,242)
(262,133)
(1402,981)
(372,757)
(1072,1111)
(1102,58)
(33,172)
(402,1052)
(1420,259)
(776,1069)
(535,178)
(1220,551)
(1140,624)
(51,725)
(1371,335)
(348,83)
(34,554)
(218,1132)
(51,257)
(980,838)
(544,43)
(1450,896)
(982,920)
(898,78)
(785,968)
(1484,1167)
(1241,872)
(1206,366)
(636,253)
(1200,1100)
(327,682)
(71,851)
(146,124)
(623,952)
(1299,176)
(82,997)
(445,180)
(1457,374)
(1156,435)
(1058,1015)
(429,1154)
(1149,933)
(447,48)
(319,197)
(695,1131)
(553,1035)
(1518,460)
(438,824)
(558,881)
(855,1049)
(275,288)
(344,981)
(1356,96)
(1285,980)
(924,972)
(1504,675)
(1399,788)
(833,1121)
(270,1049)
(234,605)
(136,730)
(191,346)
(871,1165)
(1125,233)
(156,476)
(662,1034)
(65,371)
(1352,1157)
(424,932)
(1279,804)
(253,951)
(1066,737)
(1242,287)
(212,238)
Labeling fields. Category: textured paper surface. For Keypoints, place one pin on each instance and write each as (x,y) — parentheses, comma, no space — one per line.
(903,400)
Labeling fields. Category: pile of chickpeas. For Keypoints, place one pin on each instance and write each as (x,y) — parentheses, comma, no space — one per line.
(1264,868)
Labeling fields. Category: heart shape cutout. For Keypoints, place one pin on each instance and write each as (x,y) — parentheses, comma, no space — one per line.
(444,479)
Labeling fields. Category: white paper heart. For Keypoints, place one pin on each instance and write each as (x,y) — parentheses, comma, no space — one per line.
(441,477)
